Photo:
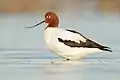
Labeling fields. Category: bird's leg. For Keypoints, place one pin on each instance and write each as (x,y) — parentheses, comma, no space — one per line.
(66,59)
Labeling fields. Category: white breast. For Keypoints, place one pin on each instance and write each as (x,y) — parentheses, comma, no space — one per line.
(50,36)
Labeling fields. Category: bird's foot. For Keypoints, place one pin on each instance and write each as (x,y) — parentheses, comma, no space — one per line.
(66,59)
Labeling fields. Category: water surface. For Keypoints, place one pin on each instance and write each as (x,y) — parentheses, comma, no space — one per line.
(24,55)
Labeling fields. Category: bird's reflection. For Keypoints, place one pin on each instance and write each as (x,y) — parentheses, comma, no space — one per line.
(58,70)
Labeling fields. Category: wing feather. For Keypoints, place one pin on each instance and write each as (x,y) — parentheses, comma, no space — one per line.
(75,39)
(67,35)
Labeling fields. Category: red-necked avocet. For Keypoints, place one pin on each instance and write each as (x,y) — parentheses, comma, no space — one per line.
(68,43)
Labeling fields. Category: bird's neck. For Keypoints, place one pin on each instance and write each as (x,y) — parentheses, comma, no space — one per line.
(53,24)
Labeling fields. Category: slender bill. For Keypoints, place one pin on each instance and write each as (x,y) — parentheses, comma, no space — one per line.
(36,24)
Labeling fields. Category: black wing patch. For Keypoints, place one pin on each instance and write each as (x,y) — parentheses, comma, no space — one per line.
(88,44)
(73,31)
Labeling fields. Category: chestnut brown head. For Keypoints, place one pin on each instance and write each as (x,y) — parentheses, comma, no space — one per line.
(51,19)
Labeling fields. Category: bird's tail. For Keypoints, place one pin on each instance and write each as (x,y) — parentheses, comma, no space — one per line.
(105,48)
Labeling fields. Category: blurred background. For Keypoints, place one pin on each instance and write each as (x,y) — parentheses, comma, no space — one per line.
(22,6)
(88,16)
(24,55)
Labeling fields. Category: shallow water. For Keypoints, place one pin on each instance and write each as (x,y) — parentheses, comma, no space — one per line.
(41,65)
(24,55)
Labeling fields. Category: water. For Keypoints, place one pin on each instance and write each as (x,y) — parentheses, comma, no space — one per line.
(24,56)
(36,65)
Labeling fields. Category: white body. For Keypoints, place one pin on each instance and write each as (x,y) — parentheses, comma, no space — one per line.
(51,39)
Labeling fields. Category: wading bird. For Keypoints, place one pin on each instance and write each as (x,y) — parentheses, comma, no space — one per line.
(68,43)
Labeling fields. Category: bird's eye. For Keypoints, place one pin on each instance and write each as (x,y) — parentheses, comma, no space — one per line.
(48,17)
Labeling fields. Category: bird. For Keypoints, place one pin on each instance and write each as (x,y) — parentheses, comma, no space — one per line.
(68,43)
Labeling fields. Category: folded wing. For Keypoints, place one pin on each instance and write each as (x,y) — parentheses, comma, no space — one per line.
(73,38)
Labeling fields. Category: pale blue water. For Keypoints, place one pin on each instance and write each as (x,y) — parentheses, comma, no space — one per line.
(24,55)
